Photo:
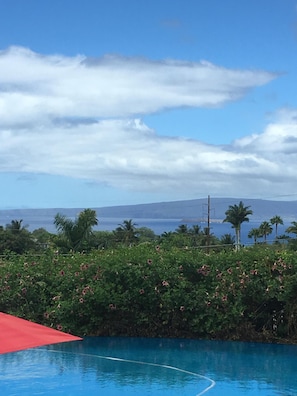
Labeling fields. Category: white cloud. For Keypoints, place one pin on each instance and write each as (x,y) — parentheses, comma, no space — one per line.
(128,155)
(33,87)
(280,137)
(78,117)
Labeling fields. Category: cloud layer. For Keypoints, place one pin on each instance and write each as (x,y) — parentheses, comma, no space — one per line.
(35,86)
(80,117)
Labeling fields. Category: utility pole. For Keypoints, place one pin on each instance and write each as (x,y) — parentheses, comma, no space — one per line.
(208,225)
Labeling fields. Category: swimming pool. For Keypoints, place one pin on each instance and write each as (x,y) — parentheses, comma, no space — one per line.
(141,366)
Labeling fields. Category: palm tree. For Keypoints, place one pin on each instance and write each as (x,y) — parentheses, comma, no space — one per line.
(195,229)
(276,220)
(182,229)
(16,238)
(265,229)
(75,234)
(254,233)
(236,215)
(127,232)
(227,240)
(293,228)
(15,226)
(166,234)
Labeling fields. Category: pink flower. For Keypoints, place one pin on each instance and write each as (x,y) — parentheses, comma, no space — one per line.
(229,270)
(62,273)
(46,315)
(85,290)
(150,262)
(81,300)
(165,283)
(112,307)
(141,291)
(224,298)
(59,327)
(182,308)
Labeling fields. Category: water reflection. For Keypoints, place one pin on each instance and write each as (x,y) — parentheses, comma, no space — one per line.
(84,367)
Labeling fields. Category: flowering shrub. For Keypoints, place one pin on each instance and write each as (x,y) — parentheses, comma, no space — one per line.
(149,291)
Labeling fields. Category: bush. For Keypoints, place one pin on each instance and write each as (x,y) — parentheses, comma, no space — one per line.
(147,290)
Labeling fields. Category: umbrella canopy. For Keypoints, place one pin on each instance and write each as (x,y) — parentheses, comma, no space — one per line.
(17,334)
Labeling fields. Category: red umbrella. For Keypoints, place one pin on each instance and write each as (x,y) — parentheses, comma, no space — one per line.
(17,334)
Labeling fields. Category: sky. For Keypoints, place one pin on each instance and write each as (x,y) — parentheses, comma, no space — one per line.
(119,102)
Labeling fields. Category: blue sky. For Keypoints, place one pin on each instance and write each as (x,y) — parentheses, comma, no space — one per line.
(122,102)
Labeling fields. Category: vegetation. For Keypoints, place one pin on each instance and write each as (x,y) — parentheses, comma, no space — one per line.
(276,221)
(149,290)
(75,235)
(254,233)
(131,282)
(236,215)
(265,229)
(14,237)
(126,233)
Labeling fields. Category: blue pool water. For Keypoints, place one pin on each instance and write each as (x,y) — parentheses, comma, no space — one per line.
(146,367)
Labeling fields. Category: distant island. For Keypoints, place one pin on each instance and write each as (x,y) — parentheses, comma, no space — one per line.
(195,210)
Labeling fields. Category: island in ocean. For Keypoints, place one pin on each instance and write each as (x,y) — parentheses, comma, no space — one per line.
(187,211)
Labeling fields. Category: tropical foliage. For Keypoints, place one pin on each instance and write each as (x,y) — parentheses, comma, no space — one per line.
(254,233)
(148,290)
(236,215)
(126,233)
(265,229)
(14,237)
(184,283)
(75,234)
(293,228)
(276,221)
(79,235)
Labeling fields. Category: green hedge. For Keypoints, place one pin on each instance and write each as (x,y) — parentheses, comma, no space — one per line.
(148,291)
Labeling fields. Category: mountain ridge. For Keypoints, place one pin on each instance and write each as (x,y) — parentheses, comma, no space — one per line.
(191,210)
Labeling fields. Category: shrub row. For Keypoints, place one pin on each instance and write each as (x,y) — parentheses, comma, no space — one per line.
(149,291)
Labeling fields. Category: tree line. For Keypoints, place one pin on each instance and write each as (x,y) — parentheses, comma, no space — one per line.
(78,235)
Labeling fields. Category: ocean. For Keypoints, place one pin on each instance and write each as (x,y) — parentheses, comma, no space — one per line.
(159,226)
